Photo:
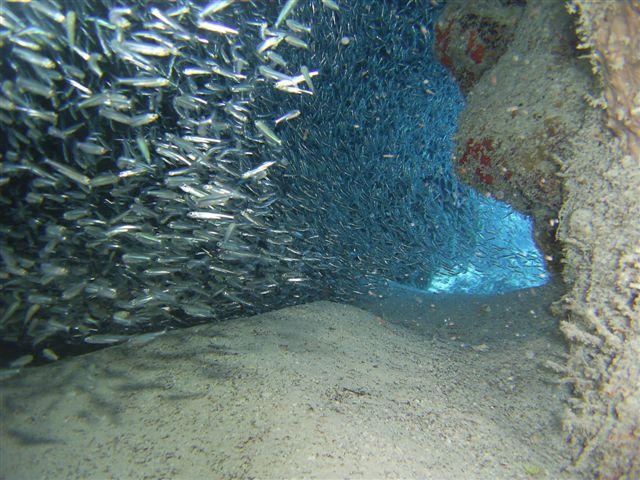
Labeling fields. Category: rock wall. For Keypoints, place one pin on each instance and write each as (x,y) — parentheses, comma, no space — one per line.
(470,40)
(600,230)
(530,135)
(611,34)
(520,114)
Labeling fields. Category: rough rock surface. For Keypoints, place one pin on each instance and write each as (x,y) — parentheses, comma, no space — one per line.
(519,116)
(612,36)
(601,237)
(600,229)
(472,36)
(530,135)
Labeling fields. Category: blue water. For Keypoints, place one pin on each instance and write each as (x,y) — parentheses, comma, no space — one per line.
(506,257)
(360,189)
(502,256)
(371,159)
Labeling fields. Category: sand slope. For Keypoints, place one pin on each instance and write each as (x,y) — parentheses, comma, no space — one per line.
(315,391)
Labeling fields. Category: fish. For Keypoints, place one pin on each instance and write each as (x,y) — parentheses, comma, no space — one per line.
(267,132)
(276,58)
(143,119)
(69,172)
(22,361)
(307,77)
(92,148)
(50,355)
(268,43)
(296,41)
(35,87)
(152,176)
(106,339)
(288,116)
(144,82)
(331,4)
(34,59)
(148,49)
(210,216)
(298,27)
(216,27)
(286,10)
(215,7)
(257,170)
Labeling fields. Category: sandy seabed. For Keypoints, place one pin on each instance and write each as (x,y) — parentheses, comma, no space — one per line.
(425,386)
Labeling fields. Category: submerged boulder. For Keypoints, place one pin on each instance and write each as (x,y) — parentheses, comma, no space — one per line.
(530,135)
(472,36)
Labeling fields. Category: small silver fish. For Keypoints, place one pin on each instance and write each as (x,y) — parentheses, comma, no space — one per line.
(298,27)
(106,339)
(22,361)
(145,338)
(331,4)
(142,81)
(69,172)
(286,10)
(269,42)
(50,355)
(287,116)
(34,58)
(267,132)
(215,7)
(217,28)
(255,171)
(210,216)
(296,41)
(92,148)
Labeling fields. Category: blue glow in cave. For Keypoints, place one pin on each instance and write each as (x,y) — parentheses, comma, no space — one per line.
(376,173)
(359,190)
(505,258)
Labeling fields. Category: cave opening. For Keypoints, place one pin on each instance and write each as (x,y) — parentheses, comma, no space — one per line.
(351,188)
(374,150)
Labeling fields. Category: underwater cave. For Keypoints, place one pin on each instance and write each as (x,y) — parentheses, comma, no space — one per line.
(317,238)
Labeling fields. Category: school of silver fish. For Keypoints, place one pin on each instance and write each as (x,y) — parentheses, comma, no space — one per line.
(175,162)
